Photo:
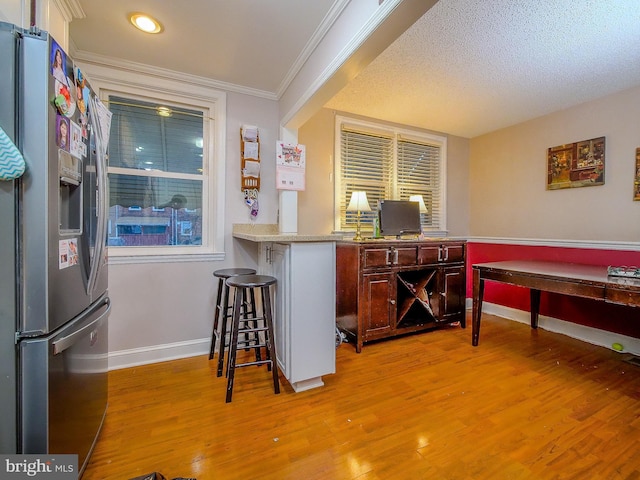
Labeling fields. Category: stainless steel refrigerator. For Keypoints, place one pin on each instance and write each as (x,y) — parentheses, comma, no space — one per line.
(54,304)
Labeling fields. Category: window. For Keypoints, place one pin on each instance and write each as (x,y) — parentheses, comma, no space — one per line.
(388,163)
(166,170)
(156,164)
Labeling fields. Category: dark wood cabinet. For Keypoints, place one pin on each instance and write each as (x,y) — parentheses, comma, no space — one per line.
(377,289)
(452,295)
(389,288)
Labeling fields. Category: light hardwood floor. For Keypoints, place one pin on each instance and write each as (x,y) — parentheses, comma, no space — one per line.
(524,404)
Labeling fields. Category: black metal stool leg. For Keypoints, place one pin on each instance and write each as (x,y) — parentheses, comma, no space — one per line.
(254,315)
(244,315)
(216,316)
(233,346)
(223,330)
(270,341)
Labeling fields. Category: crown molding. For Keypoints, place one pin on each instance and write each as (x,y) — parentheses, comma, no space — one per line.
(184,78)
(70,9)
(324,27)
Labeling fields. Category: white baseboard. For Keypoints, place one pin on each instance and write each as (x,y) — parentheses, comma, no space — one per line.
(172,351)
(591,335)
(158,353)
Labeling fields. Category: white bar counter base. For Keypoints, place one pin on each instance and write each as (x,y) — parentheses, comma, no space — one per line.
(305,304)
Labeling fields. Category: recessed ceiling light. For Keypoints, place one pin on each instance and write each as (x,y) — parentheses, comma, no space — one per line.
(145,23)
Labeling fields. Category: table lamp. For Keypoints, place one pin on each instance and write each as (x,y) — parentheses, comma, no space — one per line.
(358,203)
(423,208)
(420,200)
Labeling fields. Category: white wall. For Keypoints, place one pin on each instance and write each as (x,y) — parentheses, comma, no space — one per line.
(458,180)
(15,11)
(508,174)
(51,18)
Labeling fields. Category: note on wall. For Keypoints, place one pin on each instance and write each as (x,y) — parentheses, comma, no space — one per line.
(249,133)
(290,166)
(251,150)
(251,169)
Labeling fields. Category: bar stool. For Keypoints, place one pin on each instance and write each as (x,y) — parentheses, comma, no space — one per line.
(259,325)
(223,311)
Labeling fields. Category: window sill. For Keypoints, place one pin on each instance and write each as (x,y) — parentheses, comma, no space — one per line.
(176,258)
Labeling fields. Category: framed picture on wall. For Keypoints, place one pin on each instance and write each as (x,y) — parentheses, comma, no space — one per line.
(579,164)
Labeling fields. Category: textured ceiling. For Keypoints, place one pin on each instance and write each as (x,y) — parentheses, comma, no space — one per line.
(468,67)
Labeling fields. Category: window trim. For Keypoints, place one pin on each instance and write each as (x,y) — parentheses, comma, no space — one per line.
(157,88)
(402,133)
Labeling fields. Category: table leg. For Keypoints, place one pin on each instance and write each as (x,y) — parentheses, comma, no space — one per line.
(478,291)
(535,307)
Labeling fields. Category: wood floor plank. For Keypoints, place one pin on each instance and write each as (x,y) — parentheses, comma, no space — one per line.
(522,405)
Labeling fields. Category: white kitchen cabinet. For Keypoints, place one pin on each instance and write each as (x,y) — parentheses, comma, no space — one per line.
(304,309)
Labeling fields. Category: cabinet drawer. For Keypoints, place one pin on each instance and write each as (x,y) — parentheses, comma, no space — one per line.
(405,256)
(428,254)
(453,253)
(444,253)
(376,257)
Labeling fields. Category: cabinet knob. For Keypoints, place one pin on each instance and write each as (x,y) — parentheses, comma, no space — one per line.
(392,302)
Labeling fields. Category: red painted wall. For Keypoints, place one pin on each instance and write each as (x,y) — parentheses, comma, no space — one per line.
(592,313)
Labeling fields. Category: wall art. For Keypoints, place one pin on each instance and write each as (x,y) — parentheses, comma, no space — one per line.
(579,164)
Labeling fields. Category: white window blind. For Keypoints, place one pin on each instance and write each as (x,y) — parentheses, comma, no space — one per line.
(419,174)
(367,164)
(390,164)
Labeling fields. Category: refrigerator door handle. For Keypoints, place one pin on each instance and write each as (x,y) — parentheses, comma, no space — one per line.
(63,343)
(102,207)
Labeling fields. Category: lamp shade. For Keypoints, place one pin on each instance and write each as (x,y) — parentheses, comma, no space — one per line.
(420,200)
(359,202)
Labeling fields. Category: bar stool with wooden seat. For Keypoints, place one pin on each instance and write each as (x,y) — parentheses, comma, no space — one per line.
(223,311)
(260,327)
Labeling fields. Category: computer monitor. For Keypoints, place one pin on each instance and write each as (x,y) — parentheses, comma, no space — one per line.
(399,217)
